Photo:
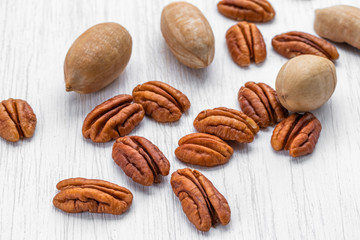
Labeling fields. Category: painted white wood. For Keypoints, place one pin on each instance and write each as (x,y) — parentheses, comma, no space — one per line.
(271,195)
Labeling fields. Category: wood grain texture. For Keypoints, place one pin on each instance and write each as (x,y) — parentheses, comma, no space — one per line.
(271,195)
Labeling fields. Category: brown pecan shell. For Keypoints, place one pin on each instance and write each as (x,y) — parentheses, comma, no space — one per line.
(297,133)
(17,120)
(248,10)
(200,200)
(245,43)
(161,101)
(292,44)
(227,124)
(113,118)
(203,149)
(91,195)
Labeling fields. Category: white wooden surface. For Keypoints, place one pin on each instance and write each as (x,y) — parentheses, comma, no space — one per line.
(271,195)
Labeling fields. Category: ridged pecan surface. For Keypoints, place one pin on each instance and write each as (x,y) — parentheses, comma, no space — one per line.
(17,120)
(113,118)
(161,101)
(260,102)
(203,149)
(140,159)
(91,195)
(227,124)
(292,44)
(245,43)
(200,200)
(297,133)
(249,10)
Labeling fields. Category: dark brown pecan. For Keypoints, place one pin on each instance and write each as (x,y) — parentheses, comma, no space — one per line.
(200,200)
(113,118)
(297,133)
(203,149)
(249,10)
(245,42)
(161,101)
(292,44)
(227,124)
(260,102)
(17,120)
(140,159)
(91,195)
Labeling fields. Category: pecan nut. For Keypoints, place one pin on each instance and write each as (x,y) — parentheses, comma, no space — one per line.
(297,133)
(292,44)
(113,118)
(249,10)
(203,149)
(227,124)
(260,102)
(17,120)
(140,159)
(245,42)
(200,200)
(91,195)
(161,101)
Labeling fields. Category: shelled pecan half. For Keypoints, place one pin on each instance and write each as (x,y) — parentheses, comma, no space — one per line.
(161,101)
(91,195)
(113,118)
(200,200)
(260,102)
(292,44)
(17,120)
(140,159)
(227,124)
(297,133)
(249,10)
(245,43)
(203,149)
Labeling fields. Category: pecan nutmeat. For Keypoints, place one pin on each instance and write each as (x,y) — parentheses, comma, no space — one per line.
(161,101)
(17,120)
(92,195)
(113,118)
(297,133)
(260,102)
(202,203)
(140,159)
(245,43)
(203,149)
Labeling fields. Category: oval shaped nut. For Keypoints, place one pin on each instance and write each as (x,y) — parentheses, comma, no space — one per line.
(188,34)
(292,44)
(203,149)
(227,124)
(161,101)
(112,119)
(91,195)
(140,159)
(97,57)
(17,120)
(339,23)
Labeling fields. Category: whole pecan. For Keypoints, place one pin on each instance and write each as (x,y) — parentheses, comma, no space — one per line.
(113,118)
(245,42)
(227,124)
(292,44)
(17,120)
(140,159)
(260,102)
(161,101)
(203,149)
(91,195)
(249,10)
(200,200)
(297,133)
